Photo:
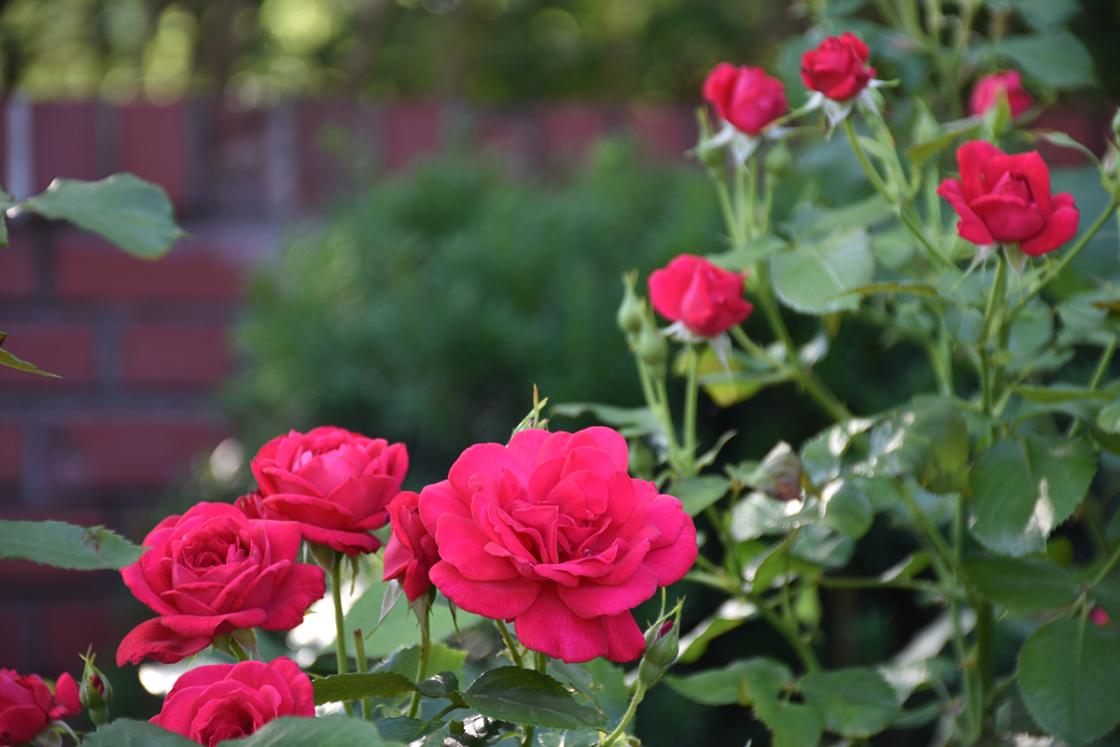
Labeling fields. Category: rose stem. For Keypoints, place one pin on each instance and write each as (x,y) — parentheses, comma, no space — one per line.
(362,666)
(339,621)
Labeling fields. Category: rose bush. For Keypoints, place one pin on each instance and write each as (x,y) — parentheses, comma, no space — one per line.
(213,571)
(550,531)
(211,704)
(27,705)
(335,484)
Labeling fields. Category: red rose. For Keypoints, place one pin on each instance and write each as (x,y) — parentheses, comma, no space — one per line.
(746,97)
(1006,199)
(335,484)
(837,67)
(411,551)
(706,299)
(27,705)
(553,533)
(212,571)
(988,89)
(228,701)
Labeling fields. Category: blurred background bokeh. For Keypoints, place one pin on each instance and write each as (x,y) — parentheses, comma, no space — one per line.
(402,215)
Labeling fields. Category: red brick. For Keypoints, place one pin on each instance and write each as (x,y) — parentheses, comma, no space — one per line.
(19,276)
(66,349)
(510,134)
(236,159)
(152,143)
(664,131)
(97,453)
(11,452)
(65,142)
(13,641)
(409,131)
(1087,126)
(190,355)
(68,628)
(89,270)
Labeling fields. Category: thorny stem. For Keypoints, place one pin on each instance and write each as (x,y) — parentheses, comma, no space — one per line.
(627,717)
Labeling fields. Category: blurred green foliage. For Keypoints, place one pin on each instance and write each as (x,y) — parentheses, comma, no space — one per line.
(261,50)
(424,308)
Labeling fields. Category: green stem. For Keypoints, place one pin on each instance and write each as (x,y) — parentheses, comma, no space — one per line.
(1108,567)
(339,621)
(422,664)
(728,211)
(1068,257)
(362,666)
(846,582)
(804,652)
(627,717)
(514,653)
(756,350)
(1098,374)
(238,650)
(692,394)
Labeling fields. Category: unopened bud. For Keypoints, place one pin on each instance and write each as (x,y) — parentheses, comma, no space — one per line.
(94,692)
(630,312)
(652,348)
(778,160)
(662,645)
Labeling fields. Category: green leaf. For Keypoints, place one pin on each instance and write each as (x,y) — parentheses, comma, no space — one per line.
(1060,393)
(792,724)
(927,439)
(816,277)
(128,733)
(12,361)
(730,615)
(745,255)
(527,697)
(1056,59)
(921,152)
(847,509)
(1023,584)
(811,223)
(855,702)
(1067,676)
(355,686)
(63,545)
(441,658)
(758,515)
(697,493)
(1108,419)
(629,421)
(327,731)
(128,211)
(1107,594)
(6,202)
(1041,14)
(1024,487)
(742,682)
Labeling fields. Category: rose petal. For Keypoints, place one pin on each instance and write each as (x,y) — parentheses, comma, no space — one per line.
(498,600)
(550,627)
(1060,228)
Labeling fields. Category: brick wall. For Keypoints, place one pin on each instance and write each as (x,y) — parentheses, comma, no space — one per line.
(143,346)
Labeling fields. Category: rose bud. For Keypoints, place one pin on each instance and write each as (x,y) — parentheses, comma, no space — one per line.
(631,314)
(704,299)
(662,649)
(95,692)
(745,97)
(837,67)
(411,551)
(1002,198)
(987,91)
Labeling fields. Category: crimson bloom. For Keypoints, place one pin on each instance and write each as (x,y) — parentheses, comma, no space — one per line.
(228,701)
(333,483)
(551,532)
(707,300)
(1006,198)
(988,89)
(837,67)
(746,97)
(27,705)
(212,571)
(411,551)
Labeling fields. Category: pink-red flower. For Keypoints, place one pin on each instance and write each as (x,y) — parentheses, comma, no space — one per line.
(1006,198)
(837,67)
(551,532)
(212,571)
(706,299)
(411,551)
(228,701)
(27,705)
(746,97)
(335,484)
(988,89)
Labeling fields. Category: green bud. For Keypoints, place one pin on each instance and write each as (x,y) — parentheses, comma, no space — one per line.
(653,350)
(662,646)
(778,160)
(94,690)
(631,313)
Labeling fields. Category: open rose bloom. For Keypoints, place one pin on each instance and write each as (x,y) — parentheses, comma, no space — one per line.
(987,91)
(333,483)
(1002,198)
(745,97)
(214,703)
(27,705)
(210,572)
(551,532)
